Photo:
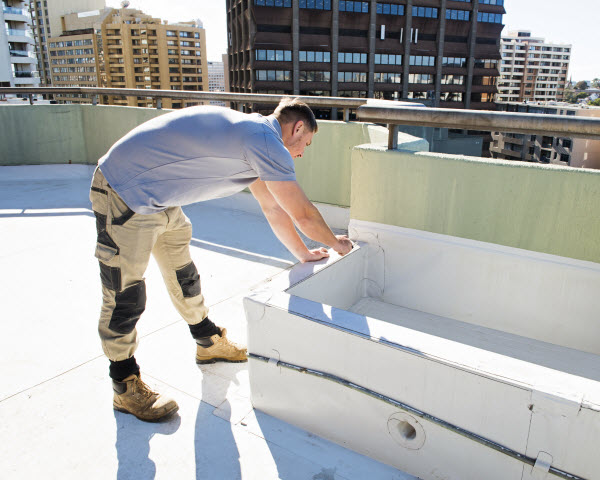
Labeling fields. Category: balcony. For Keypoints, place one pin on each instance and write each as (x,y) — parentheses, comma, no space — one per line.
(16,14)
(506,272)
(20,36)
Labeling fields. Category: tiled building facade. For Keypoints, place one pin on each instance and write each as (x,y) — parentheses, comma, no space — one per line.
(444,51)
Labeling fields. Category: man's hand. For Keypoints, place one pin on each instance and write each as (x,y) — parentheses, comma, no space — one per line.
(315,255)
(343,246)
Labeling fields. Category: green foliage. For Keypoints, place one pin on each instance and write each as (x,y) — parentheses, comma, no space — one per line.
(582,95)
(570,96)
(582,85)
(595,103)
(596,83)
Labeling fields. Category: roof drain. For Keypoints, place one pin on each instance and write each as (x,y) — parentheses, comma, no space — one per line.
(438,421)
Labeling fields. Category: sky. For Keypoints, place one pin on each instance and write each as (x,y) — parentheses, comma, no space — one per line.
(576,22)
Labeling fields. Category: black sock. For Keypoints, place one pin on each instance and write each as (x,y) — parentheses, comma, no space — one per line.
(204,329)
(121,370)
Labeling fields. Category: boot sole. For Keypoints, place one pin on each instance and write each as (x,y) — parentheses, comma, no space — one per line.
(215,360)
(154,420)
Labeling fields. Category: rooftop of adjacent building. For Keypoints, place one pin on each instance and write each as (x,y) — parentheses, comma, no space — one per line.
(525,36)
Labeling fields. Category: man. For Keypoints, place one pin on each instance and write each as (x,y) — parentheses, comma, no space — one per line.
(187,156)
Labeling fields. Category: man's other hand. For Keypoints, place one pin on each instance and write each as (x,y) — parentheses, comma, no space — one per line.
(315,255)
(344,245)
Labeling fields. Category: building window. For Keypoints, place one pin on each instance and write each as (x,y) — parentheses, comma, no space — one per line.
(390,9)
(489,17)
(492,2)
(457,15)
(451,97)
(486,63)
(427,12)
(352,93)
(422,60)
(385,59)
(350,57)
(311,56)
(423,78)
(274,55)
(352,6)
(315,4)
(273,3)
(315,76)
(381,77)
(274,75)
(352,77)
(453,79)
(454,62)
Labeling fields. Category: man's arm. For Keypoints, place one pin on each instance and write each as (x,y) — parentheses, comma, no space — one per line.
(283,225)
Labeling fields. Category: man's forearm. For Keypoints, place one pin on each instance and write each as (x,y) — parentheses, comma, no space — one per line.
(314,227)
(284,229)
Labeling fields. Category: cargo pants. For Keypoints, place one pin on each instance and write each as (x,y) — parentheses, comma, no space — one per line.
(124,244)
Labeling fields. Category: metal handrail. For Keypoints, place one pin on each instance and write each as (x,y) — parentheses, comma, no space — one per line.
(387,112)
(239,99)
(481,120)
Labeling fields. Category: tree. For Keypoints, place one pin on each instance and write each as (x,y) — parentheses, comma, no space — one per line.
(582,85)
(596,83)
(581,95)
(570,96)
(595,103)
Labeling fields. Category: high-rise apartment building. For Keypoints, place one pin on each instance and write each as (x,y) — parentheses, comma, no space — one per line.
(532,69)
(125,48)
(444,51)
(47,20)
(18,65)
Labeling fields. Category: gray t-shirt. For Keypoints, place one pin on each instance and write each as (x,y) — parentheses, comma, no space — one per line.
(195,154)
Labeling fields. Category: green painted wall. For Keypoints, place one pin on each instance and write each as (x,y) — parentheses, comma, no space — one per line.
(547,209)
(41,134)
(324,170)
(103,125)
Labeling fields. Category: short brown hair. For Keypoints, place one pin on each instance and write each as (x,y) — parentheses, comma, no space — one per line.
(292,110)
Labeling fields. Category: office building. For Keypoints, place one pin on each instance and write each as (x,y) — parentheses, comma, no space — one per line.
(574,152)
(17,46)
(216,80)
(444,52)
(532,69)
(125,48)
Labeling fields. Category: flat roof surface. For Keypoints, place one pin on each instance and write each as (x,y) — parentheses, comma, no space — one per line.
(55,394)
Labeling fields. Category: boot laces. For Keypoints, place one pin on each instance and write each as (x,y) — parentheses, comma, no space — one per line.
(143,390)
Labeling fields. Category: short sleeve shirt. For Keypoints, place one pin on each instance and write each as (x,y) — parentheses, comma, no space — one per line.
(195,154)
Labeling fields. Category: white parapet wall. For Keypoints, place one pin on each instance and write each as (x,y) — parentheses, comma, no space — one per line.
(444,357)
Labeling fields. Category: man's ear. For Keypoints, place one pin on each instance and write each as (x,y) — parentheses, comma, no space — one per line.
(298,126)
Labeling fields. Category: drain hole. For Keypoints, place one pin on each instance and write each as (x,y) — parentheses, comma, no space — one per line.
(407,431)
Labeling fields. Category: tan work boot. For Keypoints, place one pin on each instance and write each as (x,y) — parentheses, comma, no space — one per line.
(219,349)
(133,396)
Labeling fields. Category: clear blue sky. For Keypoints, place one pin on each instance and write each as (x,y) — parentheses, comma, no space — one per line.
(558,21)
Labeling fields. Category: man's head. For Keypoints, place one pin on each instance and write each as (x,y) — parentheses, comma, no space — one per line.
(298,125)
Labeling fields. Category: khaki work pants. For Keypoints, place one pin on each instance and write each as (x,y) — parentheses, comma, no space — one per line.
(125,242)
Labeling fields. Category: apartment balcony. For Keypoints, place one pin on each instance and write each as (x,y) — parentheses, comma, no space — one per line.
(12,14)
(20,36)
(353,351)
(22,57)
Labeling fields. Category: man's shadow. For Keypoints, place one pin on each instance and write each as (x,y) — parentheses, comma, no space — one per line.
(133,444)
(215,448)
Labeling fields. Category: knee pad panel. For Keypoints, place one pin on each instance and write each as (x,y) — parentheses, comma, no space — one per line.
(129,306)
(189,280)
